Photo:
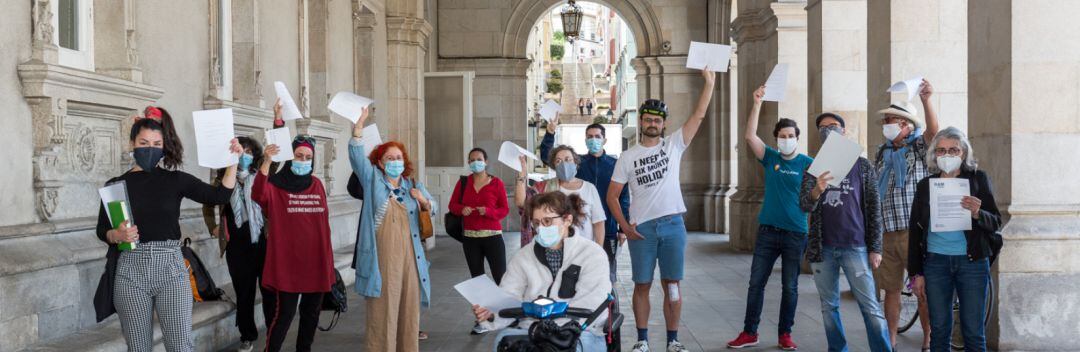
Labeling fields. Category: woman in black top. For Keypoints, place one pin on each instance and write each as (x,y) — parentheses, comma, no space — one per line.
(152,277)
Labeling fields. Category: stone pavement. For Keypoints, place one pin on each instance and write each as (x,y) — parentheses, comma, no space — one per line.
(714,300)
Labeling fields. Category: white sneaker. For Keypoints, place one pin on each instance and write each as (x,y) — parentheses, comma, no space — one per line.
(245,346)
(482,328)
(676,346)
(641,346)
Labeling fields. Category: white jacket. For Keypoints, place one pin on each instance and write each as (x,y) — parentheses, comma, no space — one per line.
(528,277)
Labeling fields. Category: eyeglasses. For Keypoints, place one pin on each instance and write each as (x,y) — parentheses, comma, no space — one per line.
(305,138)
(547,221)
(950,151)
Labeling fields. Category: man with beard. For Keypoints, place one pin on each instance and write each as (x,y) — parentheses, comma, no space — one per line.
(655,228)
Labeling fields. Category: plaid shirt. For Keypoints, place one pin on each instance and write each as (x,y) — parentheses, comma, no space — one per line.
(896,206)
(553,259)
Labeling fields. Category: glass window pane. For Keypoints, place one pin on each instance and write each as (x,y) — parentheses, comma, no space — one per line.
(443,121)
(68,19)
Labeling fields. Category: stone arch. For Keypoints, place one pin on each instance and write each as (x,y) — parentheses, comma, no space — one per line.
(637,14)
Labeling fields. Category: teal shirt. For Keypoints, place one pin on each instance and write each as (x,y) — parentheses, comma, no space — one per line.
(782,181)
(947,243)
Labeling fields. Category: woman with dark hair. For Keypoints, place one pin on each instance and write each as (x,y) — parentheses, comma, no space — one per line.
(482,204)
(152,277)
(299,266)
(238,227)
(558,265)
(391,267)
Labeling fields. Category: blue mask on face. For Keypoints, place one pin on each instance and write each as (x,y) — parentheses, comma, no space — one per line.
(245,161)
(394,168)
(595,145)
(301,168)
(477,166)
(548,236)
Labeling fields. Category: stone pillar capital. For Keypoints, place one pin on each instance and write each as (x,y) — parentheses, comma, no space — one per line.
(753,25)
(364,20)
(790,15)
(407,30)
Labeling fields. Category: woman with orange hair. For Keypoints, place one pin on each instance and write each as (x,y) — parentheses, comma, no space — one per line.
(391,269)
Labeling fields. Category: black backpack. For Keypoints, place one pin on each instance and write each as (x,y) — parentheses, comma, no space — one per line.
(202,284)
(336,301)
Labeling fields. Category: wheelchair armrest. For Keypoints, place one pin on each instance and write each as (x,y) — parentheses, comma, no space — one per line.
(614,322)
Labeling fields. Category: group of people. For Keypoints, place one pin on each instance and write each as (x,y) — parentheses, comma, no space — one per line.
(273,227)
(875,226)
(585,106)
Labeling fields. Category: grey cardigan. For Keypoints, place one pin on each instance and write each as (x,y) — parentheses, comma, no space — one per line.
(871,206)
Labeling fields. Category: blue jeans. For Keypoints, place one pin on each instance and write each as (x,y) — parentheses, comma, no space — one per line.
(587,342)
(947,275)
(857,269)
(772,243)
(664,243)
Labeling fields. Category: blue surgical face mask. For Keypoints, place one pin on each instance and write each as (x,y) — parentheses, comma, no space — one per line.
(566,171)
(477,166)
(595,145)
(245,161)
(394,168)
(301,168)
(548,236)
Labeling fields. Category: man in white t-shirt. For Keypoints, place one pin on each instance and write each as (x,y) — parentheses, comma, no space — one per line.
(655,229)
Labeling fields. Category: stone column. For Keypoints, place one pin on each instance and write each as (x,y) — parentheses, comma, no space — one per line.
(917,38)
(767,33)
(717,121)
(407,34)
(837,66)
(1026,141)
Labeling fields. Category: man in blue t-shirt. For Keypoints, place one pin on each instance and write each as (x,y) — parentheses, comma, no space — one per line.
(782,226)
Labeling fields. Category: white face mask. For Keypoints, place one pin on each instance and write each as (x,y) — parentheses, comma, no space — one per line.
(891,131)
(548,236)
(787,146)
(949,163)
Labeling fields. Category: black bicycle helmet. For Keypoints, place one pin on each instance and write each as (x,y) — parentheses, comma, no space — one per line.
(654,107)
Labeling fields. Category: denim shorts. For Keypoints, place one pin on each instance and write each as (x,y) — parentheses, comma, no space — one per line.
(664,243)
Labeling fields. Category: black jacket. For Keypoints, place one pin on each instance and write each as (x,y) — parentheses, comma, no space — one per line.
(871,207)
(980,239)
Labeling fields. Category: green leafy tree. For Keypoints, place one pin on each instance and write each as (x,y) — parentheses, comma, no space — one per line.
(557,52)
(554,86)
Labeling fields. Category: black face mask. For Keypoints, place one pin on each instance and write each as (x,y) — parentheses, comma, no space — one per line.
(148,157)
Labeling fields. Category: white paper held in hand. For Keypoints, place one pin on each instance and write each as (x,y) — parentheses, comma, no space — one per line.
(910,86)
(483,292)
(348,105)
(213,134)
(946,212)
(716,57)
(776,85)
(288,105)
(509,153)
(837,156)
(282,138)
(113,192)
(549,110)
(370,138)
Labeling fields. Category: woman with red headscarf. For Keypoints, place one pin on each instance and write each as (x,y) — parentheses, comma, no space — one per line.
(391,269)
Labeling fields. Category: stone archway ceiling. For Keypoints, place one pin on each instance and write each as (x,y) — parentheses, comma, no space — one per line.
(637,14)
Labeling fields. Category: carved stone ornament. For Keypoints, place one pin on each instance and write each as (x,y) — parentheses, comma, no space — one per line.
(42,18)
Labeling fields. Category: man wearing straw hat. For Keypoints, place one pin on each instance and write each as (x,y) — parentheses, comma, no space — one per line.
(900,163)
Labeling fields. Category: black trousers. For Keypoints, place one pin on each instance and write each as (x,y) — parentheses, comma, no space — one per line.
(280,307)
(245,261)
(491,248)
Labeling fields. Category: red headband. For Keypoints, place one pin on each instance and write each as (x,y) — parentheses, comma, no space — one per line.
(152,113)
(305,144)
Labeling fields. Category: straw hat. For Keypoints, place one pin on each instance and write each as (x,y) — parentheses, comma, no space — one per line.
(902,109)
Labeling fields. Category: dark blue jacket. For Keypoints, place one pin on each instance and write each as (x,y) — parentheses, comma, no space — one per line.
(595,170)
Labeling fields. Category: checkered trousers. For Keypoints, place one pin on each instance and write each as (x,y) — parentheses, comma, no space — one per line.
(153,278)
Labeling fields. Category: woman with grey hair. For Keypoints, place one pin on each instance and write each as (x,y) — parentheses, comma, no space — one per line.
(947,263)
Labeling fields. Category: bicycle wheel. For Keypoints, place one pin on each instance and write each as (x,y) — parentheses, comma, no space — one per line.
(909,308)
(957,335)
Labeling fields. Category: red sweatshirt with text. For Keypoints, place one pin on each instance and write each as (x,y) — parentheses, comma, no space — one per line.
(299,257)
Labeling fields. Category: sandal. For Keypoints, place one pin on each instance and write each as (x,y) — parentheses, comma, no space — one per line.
(423,336)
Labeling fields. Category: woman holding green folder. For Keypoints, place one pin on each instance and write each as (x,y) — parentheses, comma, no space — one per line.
(152,277)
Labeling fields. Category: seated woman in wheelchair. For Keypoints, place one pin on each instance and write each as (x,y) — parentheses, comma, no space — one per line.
(557,265)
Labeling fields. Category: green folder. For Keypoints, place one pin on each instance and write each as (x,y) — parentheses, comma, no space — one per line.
(119,212)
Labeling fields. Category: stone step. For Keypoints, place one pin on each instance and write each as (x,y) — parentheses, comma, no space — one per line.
(213,325)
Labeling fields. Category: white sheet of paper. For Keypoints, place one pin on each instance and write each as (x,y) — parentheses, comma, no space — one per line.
(946,213)
(283,139)
(348,105)
(911,86)
(483,292)
(213,133)
(371,138)
(549,109)
(714,56)
(113,192)
(837,155)
(288,105)
(509,153)
(776,85)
